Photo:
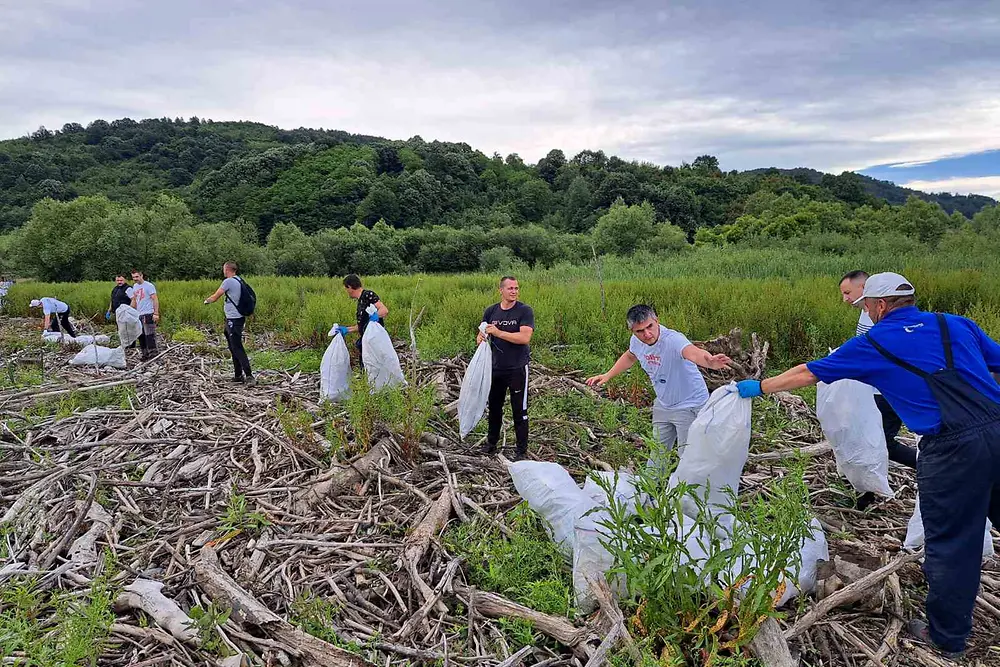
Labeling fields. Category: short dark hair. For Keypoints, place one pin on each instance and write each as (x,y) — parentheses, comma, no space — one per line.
(120,275)
(138,271)
(352,281)
(855,276)
(232,266)
(506,278)
(640,312)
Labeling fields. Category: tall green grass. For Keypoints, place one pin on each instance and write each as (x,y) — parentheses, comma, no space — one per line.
(789,298)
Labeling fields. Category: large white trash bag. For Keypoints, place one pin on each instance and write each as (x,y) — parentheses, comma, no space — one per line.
(915,533)
(549,490)
(129,326)
(335,369)
(475,393)
(56,337)
(623,488)
(96,355)
(717,449)
(87,339)
(591,561)
(853,424)
(379,356)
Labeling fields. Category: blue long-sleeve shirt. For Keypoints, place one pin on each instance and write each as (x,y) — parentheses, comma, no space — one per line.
(914,336)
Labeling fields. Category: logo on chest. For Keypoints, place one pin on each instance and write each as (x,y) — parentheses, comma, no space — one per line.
(653,359)
(504,323)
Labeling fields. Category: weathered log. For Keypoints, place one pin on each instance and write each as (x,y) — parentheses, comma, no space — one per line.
(146,595)
(341,478)
(225,592)
(770,646)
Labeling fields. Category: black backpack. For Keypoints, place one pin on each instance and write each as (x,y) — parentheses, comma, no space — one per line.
(248,299)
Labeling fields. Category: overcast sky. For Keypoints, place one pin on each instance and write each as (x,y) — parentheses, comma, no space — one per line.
(829,85)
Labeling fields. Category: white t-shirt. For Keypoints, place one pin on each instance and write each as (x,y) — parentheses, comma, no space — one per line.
(143,295)
(52,306)
(677,382)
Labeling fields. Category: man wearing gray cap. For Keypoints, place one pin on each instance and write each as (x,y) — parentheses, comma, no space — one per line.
(56,315)
(935,371)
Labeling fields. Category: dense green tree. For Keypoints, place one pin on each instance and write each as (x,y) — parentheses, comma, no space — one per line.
(292,253)
(624,229)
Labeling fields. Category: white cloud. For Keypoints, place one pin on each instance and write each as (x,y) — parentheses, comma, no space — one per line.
(980,185)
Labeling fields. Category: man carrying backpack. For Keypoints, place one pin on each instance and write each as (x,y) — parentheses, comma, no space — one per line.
(240,302)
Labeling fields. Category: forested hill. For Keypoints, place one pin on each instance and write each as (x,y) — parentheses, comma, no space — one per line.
(967,205)
(318,179)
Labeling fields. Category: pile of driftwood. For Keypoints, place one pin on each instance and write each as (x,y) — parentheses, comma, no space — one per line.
(211,495)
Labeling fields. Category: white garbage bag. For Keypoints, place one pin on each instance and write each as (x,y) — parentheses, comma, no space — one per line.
(55,336)
(96,355)
(379,356)
(87,339)
(129,326)
(335,369)
(853,424)
(915,533)
(549,490)
(475,393)
(717,449)
(591,560)
(623,489)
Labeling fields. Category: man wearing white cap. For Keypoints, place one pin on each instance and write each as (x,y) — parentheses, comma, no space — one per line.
(852,286)
(56,315)
(935,371)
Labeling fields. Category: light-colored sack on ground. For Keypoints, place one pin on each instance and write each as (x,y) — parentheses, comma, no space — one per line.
(915,533)
(853,424)
(717,449)
(56,337)
(379,357)
(335,369)
(814,550)
(591,561)
(96,355)
(549,490)
(129,326)
(475,393)
(623,489)
(87,339)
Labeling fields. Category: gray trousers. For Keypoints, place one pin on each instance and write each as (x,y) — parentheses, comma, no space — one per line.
(669,427)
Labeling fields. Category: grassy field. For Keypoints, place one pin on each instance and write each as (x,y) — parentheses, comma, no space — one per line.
(789,298)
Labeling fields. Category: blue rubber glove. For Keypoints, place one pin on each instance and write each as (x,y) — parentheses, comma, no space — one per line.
(373,317)
(107,316)
(749,388)
(342,330)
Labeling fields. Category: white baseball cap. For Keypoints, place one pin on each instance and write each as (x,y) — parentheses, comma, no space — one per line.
(885,284)
(35,303)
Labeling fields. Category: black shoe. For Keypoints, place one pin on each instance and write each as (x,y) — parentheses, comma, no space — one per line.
(921,631)
(236,379)
(520,454)
(489,450)
(251,381)
(865,500)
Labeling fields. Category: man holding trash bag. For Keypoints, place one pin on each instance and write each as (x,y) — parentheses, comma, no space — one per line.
(119,296)
(671,362)
(934,370)
(852,285)
(232,288)
(365,298)
(509,326)
(56,315)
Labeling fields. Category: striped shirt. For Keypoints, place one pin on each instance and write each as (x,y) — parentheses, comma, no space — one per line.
(864,323)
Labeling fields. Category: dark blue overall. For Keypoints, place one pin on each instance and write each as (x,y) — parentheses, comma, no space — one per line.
(958,477)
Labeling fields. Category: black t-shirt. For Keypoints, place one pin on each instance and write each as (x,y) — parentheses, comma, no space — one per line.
(119,297)
(508,356)
(367,298)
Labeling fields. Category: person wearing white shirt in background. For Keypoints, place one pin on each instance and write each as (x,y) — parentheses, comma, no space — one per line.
(147,304)
(852,285)
(671,361)
(56,315)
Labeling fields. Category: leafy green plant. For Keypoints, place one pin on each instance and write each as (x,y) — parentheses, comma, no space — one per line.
(317,616)
(695,586)
(206,621)
(526,565)
(239,518)
(188,334)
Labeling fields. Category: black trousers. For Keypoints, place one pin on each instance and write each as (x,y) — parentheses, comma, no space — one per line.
(515,380)
(60,322)
(234,338)
(958,477)
(147,339)
(891,423)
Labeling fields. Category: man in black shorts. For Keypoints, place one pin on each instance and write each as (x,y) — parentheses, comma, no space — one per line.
(509,325)
(365,298)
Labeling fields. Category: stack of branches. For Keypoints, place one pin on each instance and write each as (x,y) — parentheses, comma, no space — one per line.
(746,364)
(226,528)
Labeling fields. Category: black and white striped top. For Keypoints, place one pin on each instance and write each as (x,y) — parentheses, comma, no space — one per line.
(864,324)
